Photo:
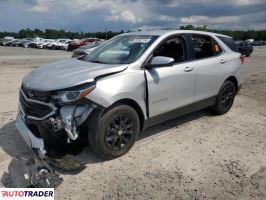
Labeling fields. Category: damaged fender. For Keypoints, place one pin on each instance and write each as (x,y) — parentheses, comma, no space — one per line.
(73,116)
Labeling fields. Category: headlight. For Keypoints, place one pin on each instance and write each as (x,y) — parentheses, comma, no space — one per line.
(74,94)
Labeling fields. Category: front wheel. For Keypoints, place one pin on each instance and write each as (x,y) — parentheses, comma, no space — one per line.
(114,132)
(225,98)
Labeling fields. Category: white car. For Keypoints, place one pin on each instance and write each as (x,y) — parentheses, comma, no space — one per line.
(7,40)
(63,45)
(35,42)
(44,43)
(57,44)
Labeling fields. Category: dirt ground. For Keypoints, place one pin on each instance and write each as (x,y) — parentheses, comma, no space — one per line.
(197,156)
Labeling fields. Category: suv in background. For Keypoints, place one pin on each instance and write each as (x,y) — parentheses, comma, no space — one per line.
(131,82)
(243,47)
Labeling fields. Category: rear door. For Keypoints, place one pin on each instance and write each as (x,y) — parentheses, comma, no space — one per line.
(209,62)
(171,87)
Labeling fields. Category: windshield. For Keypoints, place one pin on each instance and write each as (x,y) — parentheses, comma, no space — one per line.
(121,50)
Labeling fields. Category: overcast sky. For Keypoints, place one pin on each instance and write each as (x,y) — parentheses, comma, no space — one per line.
(99,15)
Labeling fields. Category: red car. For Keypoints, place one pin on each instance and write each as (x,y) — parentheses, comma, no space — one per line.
(77,43)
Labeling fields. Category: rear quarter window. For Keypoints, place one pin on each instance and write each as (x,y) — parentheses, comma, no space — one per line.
(230,43)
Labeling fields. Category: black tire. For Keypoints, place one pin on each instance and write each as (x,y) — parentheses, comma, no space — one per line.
(113,133)
(225,98)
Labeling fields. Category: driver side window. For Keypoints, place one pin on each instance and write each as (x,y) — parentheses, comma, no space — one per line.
(172,48)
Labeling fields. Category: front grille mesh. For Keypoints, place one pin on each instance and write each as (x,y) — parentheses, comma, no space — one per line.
(34,107)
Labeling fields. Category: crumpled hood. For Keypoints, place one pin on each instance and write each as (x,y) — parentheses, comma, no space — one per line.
(67,73)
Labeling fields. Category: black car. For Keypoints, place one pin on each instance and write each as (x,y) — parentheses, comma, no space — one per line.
(245,48)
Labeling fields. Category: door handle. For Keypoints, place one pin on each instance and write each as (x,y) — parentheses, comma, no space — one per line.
(188,69)
(222,61)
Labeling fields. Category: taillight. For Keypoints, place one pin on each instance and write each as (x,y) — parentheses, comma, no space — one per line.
(242,59)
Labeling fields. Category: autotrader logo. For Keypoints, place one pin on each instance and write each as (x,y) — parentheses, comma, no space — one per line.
(27,193)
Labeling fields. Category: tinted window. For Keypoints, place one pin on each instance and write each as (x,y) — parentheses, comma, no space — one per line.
(172,48)
(230,43)
(203,46)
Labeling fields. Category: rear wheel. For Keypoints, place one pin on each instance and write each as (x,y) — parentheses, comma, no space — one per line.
(115,131)
(225,98)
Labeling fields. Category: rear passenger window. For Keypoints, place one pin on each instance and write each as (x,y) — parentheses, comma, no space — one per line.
(205,47)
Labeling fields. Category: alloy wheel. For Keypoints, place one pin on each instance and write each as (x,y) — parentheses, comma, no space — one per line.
(227,97)
(119,132)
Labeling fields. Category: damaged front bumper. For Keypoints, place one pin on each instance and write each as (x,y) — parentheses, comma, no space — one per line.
(41,123)
(30,139)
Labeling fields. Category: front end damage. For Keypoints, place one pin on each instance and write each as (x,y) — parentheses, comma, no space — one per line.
(51,125)
(52,129)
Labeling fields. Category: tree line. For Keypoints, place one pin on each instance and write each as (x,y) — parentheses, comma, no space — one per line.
(54,34)
(235,34)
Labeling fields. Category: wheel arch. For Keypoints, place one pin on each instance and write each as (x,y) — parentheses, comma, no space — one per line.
(133,104)
(234,80)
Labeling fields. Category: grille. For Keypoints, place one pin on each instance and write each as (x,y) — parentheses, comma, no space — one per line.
(36,95)
(35,109)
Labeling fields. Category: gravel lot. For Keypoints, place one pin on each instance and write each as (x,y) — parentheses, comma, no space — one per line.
(197,156)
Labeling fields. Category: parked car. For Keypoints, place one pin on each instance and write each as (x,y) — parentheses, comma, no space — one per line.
(85,49)
(257,43)
(250,40)
(16,43)
(63,45)
(26,42)
(77,43)
(245,48)
(34,43)
(56,44)
(7,41)
(43,44)
(131,82)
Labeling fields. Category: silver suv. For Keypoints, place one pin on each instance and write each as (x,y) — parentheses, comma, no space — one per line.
(127,84)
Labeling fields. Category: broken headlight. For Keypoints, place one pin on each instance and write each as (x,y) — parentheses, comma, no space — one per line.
(74,93)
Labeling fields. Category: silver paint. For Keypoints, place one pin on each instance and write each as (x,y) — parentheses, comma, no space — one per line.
(169,87)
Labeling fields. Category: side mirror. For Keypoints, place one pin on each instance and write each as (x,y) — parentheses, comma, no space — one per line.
(160,61)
